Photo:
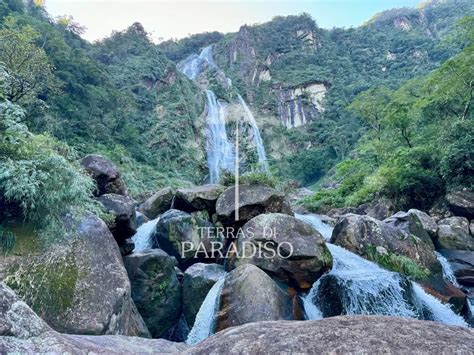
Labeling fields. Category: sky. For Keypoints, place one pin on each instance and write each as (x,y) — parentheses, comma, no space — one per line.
(165,19)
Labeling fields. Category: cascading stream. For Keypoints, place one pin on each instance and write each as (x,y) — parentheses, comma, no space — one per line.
(206,317)
(365,288)
(448,272)
(142,237)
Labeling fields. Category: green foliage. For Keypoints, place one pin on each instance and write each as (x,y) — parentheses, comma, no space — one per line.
(7,240)
(253,177)
(398,263)
(177,50)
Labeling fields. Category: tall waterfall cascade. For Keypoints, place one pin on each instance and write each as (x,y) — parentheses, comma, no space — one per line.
(366,288)
(220,150)
(206,316)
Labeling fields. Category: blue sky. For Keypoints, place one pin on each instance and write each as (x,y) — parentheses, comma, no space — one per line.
(176,19)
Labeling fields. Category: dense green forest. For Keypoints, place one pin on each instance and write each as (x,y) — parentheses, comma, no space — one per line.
(397,118)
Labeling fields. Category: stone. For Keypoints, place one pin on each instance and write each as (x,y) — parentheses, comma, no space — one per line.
(105,173)
(285,247)
(140,219)
(123,210)
(80,285)
(461,203)
(462,263)
(340,335)
(253,200)
(379,209)
(453,233)
(156,290)
(158,203)
(198,280)
(250,295)
(428,223)
(23,332)
(198,198)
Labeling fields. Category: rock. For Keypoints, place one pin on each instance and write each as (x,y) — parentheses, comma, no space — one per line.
(249,295)
(80,285)
(253,200)
(380,209)
(198,280)
(123,209)
(445,291)
(453,233)
(158,203)
(340,335)
(428,223)
(198,198)
(471,227)
(184,236)
(23,332)
(156,290)
(285,247)
(337,213)
(357,233)
(461,203)
(462,263)
(126,247)
(140,219)
(105,173)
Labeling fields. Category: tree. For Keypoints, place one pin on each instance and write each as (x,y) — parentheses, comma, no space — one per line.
(30,72)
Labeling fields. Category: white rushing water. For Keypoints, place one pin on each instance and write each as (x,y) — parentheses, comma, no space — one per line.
(193,65)
(448,272)
(220,151)
(206,316)
(262,157)
(315,220)
(142,237)
(365,288)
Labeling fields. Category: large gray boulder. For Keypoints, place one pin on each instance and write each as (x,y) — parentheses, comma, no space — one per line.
(105,174)
(184,236)
(462,263)
(379,209)
(285,247)
(453,233)
(198,198)
(402,235)
(428,223)
(250,295)
(80,285)
(461,203)
(158,203)
(253,200)
(340,335)
(123,210)
(23,332)
(198,280)
(156,290)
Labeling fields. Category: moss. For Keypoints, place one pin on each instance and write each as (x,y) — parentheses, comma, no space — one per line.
(397,263)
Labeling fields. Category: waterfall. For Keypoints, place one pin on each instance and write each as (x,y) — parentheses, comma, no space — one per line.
(362,287)
(315,220)
(193,65)
(142,237)
(220,152)
(262,158)
(206,316)
(448,273)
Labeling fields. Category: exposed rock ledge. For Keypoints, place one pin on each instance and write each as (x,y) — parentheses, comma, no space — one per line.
(22,331)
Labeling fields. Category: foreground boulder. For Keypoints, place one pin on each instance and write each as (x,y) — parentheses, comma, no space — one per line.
(198,280)
(253,200)
(402,235)
(461,203)
(23,332)
(156,290)
(453,233)
(80,285)
(462,263)
(250,295)
(284,246)
(184,236)
(105,174)
(340,335)
(123,210)
(198,198)
(158,203)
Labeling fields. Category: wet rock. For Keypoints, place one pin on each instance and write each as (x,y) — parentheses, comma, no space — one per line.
(123,210)
(140,219)
(462,263)
(80,285)
(285,247)
(250,295)
(156,290)
(198,280)
(453,233)
(105,173)
(158,203)
(461,203)
(198,198)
